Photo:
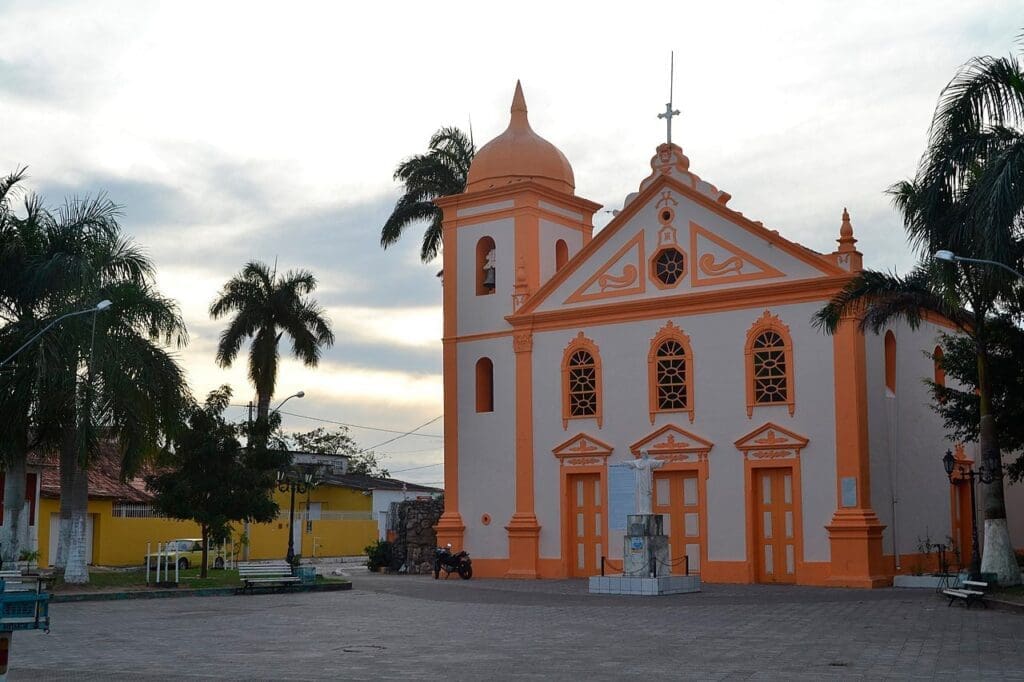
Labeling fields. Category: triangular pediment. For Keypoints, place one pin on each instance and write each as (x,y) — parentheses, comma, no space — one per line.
(582,448)
(671,440)
(771,441)
(711,245)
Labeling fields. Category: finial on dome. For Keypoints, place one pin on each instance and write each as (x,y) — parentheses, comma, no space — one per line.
(846,239)
(519,119)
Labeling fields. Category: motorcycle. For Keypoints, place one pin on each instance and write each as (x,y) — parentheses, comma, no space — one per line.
(450,563)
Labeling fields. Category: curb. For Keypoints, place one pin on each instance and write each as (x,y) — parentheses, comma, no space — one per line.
(198,592)
(1001,605)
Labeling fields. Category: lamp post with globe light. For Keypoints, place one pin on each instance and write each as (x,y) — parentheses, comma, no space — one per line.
(950,257)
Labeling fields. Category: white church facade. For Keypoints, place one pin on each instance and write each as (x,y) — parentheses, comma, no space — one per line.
(682,330)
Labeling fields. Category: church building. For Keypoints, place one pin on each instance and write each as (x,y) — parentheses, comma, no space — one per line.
(682,330)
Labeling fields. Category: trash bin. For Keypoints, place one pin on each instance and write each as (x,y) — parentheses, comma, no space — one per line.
(306,573)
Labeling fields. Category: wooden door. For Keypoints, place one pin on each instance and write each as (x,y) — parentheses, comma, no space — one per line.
(774,535)
(677,498)
(586,523)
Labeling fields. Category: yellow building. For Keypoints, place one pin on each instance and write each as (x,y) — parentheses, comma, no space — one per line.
(334,518)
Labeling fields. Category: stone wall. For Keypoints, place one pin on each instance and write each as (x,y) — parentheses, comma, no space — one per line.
(415,537)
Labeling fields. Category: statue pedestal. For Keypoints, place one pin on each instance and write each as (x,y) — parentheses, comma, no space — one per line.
(645,547)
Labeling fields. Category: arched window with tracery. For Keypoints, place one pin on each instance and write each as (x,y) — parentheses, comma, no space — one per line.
(581,381)
(670,372)
(769,361)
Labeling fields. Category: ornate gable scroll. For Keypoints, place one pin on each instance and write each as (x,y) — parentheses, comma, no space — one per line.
(621,275)
(673,444)
(581,450)
(771,441)
(716,261)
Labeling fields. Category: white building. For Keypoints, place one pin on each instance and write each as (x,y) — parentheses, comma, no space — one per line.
(682,329)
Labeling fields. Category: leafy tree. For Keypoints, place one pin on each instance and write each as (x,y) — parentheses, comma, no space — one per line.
(440,172)
(211,479)
(101,377)
(339,442)
(266,307)
(966,197)
(960,408)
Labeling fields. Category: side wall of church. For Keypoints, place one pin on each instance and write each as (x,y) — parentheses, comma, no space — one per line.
(910,490)
(720,416)
(487,448)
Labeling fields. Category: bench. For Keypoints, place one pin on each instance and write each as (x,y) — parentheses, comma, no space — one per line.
(273,574)
(972,591)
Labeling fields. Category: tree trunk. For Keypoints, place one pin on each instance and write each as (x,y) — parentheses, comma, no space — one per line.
(75,570)
(14,536)
(68,467)
(997,556)
(206,550)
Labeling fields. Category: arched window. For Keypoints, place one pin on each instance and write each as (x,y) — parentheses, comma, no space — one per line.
(561,254)
(485,270)
(670,372)
(581,381)
(940,373)
(769,364)
(484,385)
(890,363)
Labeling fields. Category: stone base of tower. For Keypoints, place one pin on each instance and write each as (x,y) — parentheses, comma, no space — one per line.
(855,536)
(523,546)
(450,530)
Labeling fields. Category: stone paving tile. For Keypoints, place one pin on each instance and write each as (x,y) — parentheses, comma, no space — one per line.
(409,627)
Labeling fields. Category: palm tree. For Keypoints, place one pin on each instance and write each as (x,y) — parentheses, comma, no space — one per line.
(440,172)
(967,197)
(102,378)
(267,306)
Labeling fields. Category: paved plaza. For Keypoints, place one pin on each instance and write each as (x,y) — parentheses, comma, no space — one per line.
(410,627)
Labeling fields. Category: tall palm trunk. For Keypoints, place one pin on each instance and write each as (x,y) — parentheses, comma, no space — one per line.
(14,537)
(998,556)
(75,570)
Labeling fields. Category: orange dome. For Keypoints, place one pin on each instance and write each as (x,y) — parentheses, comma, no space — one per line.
(520,154)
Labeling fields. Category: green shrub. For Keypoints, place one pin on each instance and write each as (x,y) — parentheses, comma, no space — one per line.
(379,554)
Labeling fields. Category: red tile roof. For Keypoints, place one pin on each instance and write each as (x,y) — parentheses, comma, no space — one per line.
(104,477)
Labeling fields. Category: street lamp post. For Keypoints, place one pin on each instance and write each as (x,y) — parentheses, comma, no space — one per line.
(950,257)
(294,480)
(99,307)
(958,473)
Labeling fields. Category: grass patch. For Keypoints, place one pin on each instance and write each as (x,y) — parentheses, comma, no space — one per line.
(135,579)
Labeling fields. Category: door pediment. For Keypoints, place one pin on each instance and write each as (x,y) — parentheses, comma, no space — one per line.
(672,444)
(771,441)
(582,450)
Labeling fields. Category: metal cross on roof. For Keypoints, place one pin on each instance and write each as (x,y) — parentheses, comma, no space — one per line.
(669,111)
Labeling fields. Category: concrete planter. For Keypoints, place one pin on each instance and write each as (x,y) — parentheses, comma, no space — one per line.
(917,581)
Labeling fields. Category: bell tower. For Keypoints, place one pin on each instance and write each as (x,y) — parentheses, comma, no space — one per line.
(515,225)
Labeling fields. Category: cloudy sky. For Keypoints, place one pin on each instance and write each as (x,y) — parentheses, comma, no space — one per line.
(232,131)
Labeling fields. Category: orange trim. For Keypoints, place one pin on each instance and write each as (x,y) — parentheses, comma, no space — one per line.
(577,344)
(724,272)
(855,533)
(669,332)
(716,300)
(565,490)
(523,529)
(819,262)
(582,450)
(492,194)
(652,267)
(450,527)
(771,441)
(630,281)
(561,254)
(670,442)
(769,323)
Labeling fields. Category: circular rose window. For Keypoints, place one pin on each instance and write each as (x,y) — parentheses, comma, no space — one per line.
(669,266)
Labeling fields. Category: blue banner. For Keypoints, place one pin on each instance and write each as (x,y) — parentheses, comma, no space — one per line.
(621,493)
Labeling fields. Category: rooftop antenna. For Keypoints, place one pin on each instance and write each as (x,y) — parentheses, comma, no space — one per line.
(471,143)
(669,111)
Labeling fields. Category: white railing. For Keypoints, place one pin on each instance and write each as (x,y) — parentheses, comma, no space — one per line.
(328,516)
(135,510)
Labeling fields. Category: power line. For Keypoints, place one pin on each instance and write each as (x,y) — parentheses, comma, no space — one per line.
(407,433)
(355,426)
(425,466)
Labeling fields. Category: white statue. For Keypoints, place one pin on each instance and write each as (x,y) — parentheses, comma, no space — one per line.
(489,259)
(643,476)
